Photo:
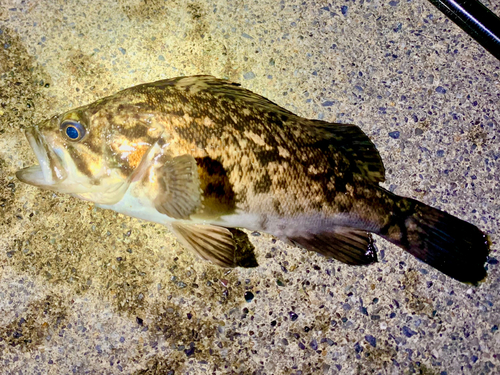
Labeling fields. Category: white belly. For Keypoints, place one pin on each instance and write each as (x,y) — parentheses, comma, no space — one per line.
(137,203)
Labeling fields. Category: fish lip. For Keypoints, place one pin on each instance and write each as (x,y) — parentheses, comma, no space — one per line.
(50,170)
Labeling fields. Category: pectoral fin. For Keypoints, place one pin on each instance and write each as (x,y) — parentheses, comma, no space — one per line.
(222,246)
(179,187)
(347,245)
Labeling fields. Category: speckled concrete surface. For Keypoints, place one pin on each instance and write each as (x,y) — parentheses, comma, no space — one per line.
(88,291)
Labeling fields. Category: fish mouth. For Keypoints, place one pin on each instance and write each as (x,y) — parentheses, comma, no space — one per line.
(50,170)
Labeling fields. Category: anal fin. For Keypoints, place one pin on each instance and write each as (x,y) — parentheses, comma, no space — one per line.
(350,246)
(221,246)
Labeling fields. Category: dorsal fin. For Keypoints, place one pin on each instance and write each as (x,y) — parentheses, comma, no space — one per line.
(357,147)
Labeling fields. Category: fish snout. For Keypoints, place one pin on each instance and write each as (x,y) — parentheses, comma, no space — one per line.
(50,170)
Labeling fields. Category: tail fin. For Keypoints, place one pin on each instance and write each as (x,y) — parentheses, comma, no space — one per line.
(451,245)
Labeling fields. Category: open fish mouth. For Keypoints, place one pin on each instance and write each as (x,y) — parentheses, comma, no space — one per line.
(50,170)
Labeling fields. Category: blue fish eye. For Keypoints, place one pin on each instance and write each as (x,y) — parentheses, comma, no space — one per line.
(73,130)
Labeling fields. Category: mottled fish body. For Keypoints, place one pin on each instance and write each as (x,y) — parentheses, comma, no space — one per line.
(205,156)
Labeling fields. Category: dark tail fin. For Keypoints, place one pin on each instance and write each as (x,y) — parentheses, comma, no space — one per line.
(451,245)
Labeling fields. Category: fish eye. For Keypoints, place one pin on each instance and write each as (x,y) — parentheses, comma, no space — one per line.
(73,130)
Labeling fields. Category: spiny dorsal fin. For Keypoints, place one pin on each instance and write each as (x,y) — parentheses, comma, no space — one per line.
(347,245)
(179,188)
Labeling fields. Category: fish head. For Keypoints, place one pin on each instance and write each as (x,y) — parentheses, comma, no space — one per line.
(91,152)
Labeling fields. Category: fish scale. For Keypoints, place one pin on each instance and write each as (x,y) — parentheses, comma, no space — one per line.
(205,156)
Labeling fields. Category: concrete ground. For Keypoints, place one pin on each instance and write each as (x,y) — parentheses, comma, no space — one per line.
(88,291)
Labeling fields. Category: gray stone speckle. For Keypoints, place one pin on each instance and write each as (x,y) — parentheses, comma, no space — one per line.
(249,75)
(161,310)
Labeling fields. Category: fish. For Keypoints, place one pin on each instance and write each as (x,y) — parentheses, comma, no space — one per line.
(207,157)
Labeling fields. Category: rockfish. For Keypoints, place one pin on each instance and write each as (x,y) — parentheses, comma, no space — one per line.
(205,157)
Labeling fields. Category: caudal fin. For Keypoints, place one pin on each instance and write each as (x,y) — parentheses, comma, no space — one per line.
(451,245)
